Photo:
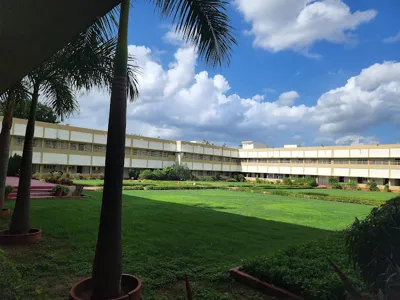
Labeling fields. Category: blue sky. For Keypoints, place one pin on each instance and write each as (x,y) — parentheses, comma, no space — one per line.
(308,53)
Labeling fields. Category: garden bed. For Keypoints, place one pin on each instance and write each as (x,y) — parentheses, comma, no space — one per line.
(304,270)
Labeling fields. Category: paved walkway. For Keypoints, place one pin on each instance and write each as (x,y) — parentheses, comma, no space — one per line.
(13,181)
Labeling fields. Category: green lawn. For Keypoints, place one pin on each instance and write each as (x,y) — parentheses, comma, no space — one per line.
(168,233)
(348,193)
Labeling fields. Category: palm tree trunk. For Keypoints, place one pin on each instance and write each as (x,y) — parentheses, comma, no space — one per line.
(107,265)
(21,215)
(5,148)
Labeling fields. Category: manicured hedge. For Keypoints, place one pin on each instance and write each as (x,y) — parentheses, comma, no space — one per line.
(304,269)
(169,187)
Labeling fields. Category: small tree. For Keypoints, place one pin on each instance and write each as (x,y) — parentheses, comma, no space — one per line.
(13,165)
(182,171)
(134,174)
(146,174)
(333,181)
(352,184)
(372,186)
(287,181)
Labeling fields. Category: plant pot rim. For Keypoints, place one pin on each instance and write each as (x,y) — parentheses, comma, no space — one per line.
(85,282)
(34,235)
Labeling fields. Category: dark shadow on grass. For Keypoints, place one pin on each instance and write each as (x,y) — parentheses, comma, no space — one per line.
(161,241)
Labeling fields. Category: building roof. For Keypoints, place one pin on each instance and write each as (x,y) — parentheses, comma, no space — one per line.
(32,31)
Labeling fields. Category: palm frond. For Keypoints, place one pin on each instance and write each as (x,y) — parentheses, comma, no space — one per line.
(203,23)
(132,77)
(59,96)
(18,93)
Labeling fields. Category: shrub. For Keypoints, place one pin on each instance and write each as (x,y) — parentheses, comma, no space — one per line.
(333,181)
(278,182)
(304,269)
(13,165)
(372,186)
(231,180)
(387,189)
(58,188)
(10,280)
(239,178)
(287,181)
(146,174)
(171,173)
(352,184)
(259,180)
(37,176)
(134,174)
(9,188)
(306,182)
(374,243)
(207,178)
(182,172)
(159,175)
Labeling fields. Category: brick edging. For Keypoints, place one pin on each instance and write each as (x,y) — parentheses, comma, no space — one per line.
(256,283)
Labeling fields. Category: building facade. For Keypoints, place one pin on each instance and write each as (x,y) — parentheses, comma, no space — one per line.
(81,150)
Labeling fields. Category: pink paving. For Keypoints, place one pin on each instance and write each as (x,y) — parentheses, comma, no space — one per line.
(39,189)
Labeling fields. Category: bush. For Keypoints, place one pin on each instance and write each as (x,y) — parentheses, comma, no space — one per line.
(304,269)
(134,174)
(10,280)
(287,181)
(305,182)
(239,178)
(9,188)
(159,175)
(259,180)
(278,182)
(231,180)
(13,165)
(374,243)
(387,189)
(146,174)
(352,184)
(372,186)
(207,178)
(37,176)
(333,181)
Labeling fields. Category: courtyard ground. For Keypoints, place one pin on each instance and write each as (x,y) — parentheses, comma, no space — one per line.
(168,233)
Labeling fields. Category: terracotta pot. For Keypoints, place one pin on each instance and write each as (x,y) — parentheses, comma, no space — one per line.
(6,238)
(5,212)
(83,289)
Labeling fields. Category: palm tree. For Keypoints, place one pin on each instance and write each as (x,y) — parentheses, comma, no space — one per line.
(85,63)
(18,92)
(203,23)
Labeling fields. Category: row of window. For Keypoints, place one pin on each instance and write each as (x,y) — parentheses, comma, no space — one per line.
(194,156)
(324,161)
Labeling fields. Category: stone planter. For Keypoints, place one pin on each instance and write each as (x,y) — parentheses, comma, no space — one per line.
(130,284)
(33,236)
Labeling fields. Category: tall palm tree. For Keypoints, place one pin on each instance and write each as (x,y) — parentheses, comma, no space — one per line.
(203,23)
(18,92)
(85,63)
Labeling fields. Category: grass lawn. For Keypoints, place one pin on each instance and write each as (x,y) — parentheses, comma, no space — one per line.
(348,193)
(168,233)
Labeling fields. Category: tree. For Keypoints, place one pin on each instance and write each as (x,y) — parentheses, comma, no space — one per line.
(18,92)
(84,63)
(203,23)
(44,113)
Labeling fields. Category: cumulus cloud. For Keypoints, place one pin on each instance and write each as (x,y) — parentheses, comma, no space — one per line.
(298,24)
(176,102)
(357,140)
(392,39)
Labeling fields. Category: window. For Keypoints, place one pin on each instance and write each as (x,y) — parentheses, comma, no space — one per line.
(217,158)
(51,144)
(99,148)
(273,161)
(310,161)
(341,161)
(359,161)
(188,156)
(285,161)
(127,150)
(395,162)
(324,161)
(207,157)
(297,161)
(379,162)
(156,153)
(227,159)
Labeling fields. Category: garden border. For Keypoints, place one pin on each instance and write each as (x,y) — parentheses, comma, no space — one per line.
(256,283)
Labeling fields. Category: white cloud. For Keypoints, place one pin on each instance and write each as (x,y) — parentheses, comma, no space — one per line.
(296,137)
(298,24)
(176,102)
(357,140)
(287,98)
(392,39)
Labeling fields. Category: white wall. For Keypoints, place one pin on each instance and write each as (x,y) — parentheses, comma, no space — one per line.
(379,153)
(379,173)
(154,164)
(156,145)
(79,160)
(359,172)
(139,163)
(81,136)
(55,159)
(140,144)
(98,161)
(169,147)
(100,139)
